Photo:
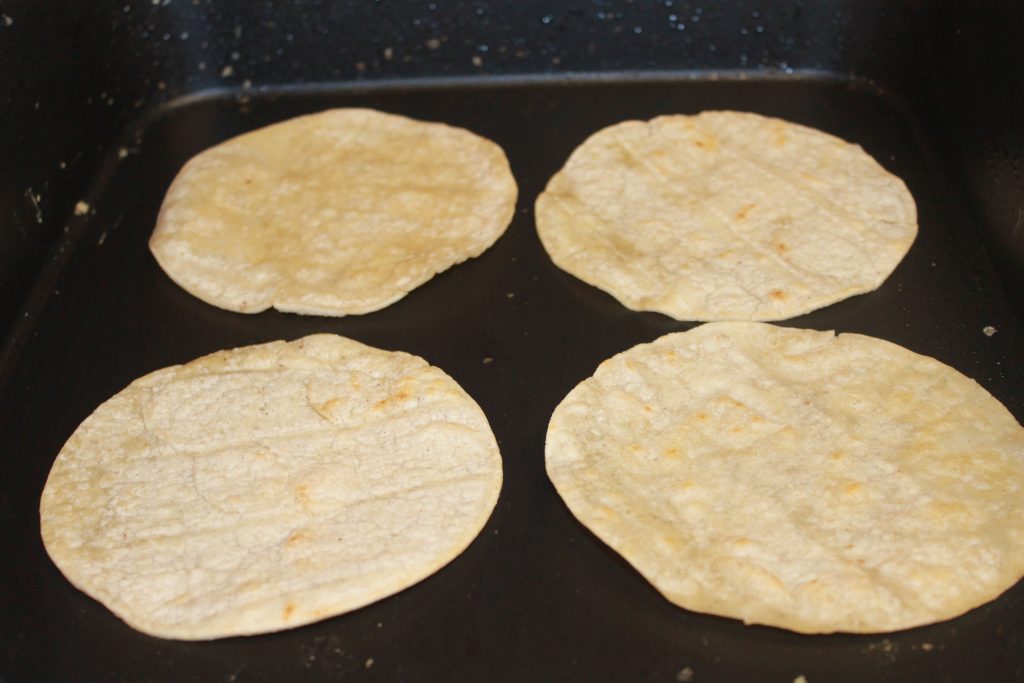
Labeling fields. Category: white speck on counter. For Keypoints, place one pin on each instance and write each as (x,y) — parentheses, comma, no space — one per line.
(685,674)
(82,208)
(227,71)
(800,679)
(7,20)
(433,43)
(369,662)
(988,330)
(477,60)
(122,152)
(35,199)
(389,53)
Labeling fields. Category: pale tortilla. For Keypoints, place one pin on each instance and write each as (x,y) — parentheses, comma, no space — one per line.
(335,213)
(269,486)
(794,478)
(725,216)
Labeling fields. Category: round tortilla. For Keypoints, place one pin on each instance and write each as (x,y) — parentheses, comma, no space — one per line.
(797,479)
(725,216)
(269,486)
(335,213)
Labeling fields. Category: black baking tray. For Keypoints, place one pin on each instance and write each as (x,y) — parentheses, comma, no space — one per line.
(535,597)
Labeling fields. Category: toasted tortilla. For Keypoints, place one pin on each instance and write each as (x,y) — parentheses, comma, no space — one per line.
(269,486)
(725,216)
(796,478)
(335,213)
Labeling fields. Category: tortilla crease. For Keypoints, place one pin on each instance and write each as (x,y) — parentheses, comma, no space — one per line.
(725,216)
(270,486)
(795,478)
(335,213)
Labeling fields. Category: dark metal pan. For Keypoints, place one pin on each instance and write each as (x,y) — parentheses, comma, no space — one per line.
(535,597)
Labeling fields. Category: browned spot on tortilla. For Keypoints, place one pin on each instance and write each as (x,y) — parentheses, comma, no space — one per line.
(296,538)
(701,416)
(672,453)
(851,488)
(779,129)
(781,247)
(777,294)
(302,493)
(134,443)
(329,405)
(397,397)
(708,143)
(836,455)
(742,213)
(289,609)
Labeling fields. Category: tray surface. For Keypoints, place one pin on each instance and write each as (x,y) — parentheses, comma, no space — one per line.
(536,595)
